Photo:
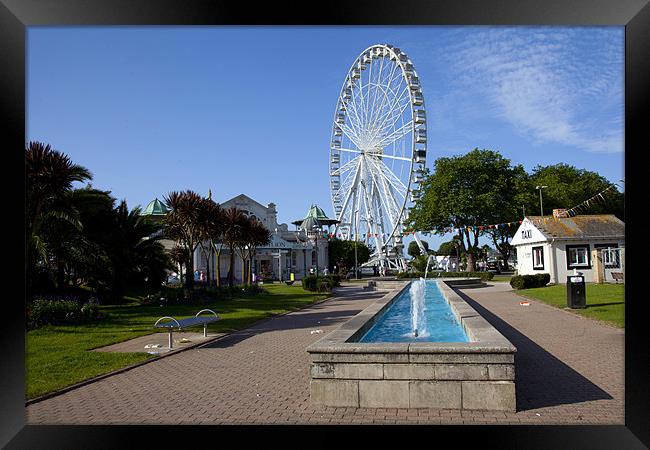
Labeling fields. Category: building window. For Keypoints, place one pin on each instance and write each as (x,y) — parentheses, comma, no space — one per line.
(313,258)
(610,255)
(538,258)
(577,256)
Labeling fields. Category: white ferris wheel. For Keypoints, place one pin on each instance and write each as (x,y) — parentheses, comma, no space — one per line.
(378,152)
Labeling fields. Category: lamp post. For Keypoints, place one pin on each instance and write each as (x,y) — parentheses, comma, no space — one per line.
(315,229)
(539,188)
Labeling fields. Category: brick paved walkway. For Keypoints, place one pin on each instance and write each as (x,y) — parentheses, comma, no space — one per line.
(569,370)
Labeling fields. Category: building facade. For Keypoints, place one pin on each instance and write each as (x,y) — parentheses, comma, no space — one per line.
(561,245)
(289,251)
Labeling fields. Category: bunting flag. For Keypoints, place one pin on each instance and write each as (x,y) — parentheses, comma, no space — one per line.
(587,203)
(468,228)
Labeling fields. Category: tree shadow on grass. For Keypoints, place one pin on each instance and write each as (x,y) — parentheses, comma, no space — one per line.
(541,379)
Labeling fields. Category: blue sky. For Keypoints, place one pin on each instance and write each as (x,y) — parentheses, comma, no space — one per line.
(249,109)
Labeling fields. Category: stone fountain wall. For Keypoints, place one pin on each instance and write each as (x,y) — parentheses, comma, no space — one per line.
(475,375)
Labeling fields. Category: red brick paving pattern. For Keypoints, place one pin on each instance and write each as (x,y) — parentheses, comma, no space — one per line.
(569,370)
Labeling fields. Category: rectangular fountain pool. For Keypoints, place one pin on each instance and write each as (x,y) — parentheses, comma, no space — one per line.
(434,318)
(374,360)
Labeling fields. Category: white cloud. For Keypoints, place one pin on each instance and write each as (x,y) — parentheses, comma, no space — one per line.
(552,85)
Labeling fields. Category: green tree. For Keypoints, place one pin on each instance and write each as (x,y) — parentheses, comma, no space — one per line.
(78,253)
(234,224)
(569,186)
(465,192)
(521,198)
(179,256)
(241,246)
(414,248)
(50,175)
(183,225)
(258,235)
(137,256)
(341,253)
(419,263)
(210,221)
(448,248)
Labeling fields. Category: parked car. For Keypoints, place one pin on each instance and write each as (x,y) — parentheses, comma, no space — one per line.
(494,265)
(363,272)
(173,280)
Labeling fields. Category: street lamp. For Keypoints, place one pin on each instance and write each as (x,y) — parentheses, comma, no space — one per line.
(316,230)
(539,188)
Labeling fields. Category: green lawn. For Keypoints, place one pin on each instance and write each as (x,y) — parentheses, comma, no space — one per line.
(58,356)
(605,302)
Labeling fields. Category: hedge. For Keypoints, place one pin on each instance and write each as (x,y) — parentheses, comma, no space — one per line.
(485,276)
(530,281)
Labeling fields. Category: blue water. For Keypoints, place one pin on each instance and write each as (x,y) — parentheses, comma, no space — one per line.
(440,323)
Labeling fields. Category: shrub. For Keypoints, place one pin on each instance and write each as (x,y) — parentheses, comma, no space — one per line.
(43,312)
(320,283)
(517,282)
(309,282)
(530,281)
(543,279)
(336,279)
(324,285)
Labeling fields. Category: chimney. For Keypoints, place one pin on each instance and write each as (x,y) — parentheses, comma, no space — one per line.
(557,213)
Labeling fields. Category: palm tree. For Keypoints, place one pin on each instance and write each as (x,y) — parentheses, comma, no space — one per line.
(135,252)
(258,235)
(75,250)
(209,220)
(50,175)
(179,256)
(243,240)
(182,224)
(214,236)
(234,220)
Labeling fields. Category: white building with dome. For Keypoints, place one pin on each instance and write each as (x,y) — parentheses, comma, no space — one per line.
(298,251)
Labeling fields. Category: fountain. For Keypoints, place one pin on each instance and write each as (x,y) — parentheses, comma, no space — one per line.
(426,268)
(417,305)
(417,300)
(456,360)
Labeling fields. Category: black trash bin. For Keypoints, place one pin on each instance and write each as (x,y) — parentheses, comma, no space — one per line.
(575,291)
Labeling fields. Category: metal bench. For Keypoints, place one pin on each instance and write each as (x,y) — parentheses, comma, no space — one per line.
(171,322)
(618,276)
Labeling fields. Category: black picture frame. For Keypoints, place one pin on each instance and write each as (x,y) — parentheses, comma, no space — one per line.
(16,15)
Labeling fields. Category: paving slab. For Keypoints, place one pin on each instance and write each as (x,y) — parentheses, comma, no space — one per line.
(568,370)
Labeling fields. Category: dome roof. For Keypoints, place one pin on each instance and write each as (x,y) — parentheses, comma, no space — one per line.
(310,223)
(316,216)
(155,208)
